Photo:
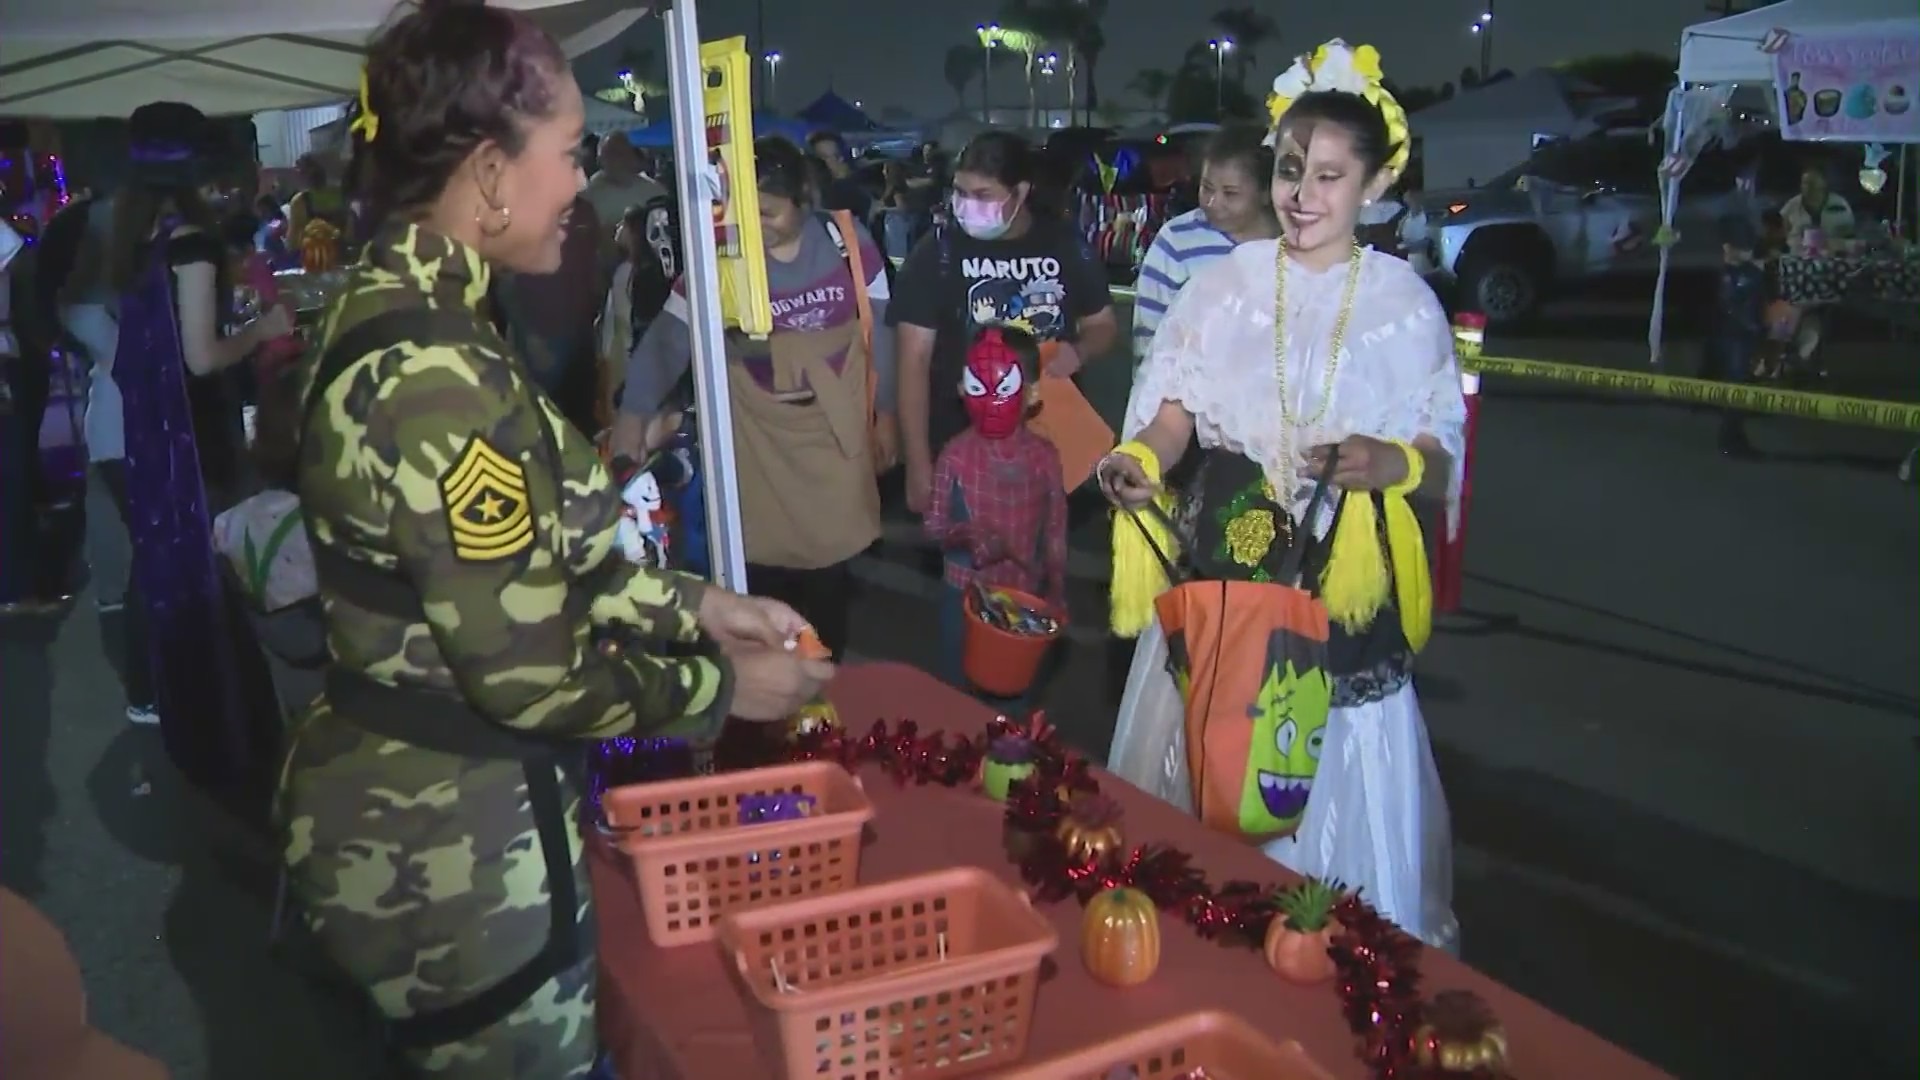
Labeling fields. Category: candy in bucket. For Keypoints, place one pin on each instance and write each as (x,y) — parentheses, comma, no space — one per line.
(1004,611)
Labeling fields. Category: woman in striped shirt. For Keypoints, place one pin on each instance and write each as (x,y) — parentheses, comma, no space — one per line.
(1234,208)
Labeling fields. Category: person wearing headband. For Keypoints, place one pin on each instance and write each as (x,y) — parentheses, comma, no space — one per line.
(169,448)
(1275,356)
(464,537)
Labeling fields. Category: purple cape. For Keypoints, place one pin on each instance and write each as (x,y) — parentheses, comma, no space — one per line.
(203,715)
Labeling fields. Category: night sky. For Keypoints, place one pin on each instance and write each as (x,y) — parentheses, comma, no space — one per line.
(890,52)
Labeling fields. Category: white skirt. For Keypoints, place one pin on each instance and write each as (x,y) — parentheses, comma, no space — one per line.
(1375,821)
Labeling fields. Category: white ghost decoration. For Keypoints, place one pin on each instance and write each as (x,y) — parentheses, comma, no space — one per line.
(642,537)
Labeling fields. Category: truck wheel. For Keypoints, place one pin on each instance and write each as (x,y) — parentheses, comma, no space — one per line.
(1502,287)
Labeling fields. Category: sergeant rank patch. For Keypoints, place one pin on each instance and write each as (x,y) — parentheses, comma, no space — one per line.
(485,493)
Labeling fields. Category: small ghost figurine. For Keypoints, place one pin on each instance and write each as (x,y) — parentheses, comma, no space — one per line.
(641,532)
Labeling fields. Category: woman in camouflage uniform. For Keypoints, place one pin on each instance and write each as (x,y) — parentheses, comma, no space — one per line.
(463,534)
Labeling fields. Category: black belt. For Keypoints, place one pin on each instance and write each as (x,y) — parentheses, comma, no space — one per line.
(444,723)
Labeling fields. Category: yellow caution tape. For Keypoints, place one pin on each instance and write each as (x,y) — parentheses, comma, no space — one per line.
(1862,412)
(1865,412)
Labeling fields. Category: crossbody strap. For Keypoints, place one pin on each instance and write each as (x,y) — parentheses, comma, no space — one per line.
(839,225)
(376,334)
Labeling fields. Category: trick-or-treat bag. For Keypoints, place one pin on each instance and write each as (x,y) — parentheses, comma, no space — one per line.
(1250,660)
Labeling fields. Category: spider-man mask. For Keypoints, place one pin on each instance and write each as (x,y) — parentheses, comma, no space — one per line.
(994,388)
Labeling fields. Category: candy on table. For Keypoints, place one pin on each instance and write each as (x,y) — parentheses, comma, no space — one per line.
(779,806)
(1001,611)
(808,644)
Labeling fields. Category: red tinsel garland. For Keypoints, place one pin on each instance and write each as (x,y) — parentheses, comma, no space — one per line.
(1377,964)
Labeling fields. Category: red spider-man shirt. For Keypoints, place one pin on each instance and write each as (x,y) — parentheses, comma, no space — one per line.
(1000,513)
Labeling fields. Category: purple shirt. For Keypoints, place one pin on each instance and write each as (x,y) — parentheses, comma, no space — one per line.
(810,294)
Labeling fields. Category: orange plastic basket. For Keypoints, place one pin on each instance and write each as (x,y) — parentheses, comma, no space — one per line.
(1221,1044)
(693,861)
(933,975)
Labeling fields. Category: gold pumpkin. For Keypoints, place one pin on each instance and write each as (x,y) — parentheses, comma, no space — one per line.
(818,716)
(319,247)
(1090,832)
(1461,1035)
(1120,937)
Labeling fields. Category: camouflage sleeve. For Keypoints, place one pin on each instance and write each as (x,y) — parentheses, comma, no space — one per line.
(476,524)
(659,604)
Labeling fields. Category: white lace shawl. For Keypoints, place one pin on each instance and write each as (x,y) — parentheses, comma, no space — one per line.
(1397,377)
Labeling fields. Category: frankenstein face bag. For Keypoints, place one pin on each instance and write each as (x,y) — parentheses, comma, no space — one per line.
(1249,655)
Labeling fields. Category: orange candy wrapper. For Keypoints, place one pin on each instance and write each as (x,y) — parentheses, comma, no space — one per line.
(809,646)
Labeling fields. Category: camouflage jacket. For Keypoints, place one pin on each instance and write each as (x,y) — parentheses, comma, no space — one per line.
(435,463)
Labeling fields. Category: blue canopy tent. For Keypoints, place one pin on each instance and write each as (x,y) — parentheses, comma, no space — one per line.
(660,133)
(835,113)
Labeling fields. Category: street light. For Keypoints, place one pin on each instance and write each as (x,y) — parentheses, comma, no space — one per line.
(1049,64)
(773,78)
(1221,47)
(989,40)
(1483,26)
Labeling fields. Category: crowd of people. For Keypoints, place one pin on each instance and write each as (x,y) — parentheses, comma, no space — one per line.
(513,335)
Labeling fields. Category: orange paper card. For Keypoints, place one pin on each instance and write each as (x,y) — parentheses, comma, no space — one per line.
(1068,421)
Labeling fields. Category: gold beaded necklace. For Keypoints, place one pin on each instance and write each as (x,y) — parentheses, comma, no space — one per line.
(1280,341)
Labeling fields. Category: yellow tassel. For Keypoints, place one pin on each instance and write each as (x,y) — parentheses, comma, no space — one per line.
(1354,583)
(1413,582)
(1137,574)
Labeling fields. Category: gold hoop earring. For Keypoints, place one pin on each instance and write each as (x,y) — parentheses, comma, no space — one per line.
(506,221)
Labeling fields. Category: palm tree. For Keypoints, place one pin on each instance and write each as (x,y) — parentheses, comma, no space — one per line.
(643,81)
(1152,84)
(1066,26)
(962,64)
(1089,41)
(1249,29)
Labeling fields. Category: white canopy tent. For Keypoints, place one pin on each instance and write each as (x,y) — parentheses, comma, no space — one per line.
(605,118)
(1714,56)
(1728,50)
(1480,133)
(84,59)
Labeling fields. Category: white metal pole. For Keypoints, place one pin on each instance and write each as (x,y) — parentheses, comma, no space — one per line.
(686,80)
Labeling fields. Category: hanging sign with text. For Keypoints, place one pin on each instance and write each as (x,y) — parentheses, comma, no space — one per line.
(1858,85)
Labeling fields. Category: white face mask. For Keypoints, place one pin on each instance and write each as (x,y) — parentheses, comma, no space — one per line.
(982,219)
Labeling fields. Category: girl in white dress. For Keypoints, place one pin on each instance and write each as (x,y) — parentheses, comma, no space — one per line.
(1349,349)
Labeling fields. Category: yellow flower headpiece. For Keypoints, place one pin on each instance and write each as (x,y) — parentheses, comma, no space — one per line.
(367,123)
(1339,66)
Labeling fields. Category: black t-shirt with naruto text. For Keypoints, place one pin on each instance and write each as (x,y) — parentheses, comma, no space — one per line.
(1044,281)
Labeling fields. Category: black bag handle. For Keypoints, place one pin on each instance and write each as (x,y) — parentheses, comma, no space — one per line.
(1296,549)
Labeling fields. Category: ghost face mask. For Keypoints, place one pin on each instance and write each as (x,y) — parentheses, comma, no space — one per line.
(993,387)
(640,524)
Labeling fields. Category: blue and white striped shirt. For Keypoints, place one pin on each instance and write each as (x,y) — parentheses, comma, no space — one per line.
(1185,244)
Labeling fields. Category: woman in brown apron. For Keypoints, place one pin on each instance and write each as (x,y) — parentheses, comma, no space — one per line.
(812,404)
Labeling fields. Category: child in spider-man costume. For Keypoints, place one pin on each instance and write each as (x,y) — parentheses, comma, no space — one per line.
(999,510)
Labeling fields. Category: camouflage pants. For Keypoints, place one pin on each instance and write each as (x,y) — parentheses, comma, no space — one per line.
(422,877)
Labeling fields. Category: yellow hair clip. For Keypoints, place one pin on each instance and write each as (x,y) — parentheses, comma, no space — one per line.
(367,123)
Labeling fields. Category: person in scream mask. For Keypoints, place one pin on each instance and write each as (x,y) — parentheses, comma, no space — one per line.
(1274,356)
(809,499)
(1004,261)
(999,509)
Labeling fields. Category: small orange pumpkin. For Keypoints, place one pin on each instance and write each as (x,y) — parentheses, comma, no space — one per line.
(1302,929)
(1299,955)
(1120,937)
